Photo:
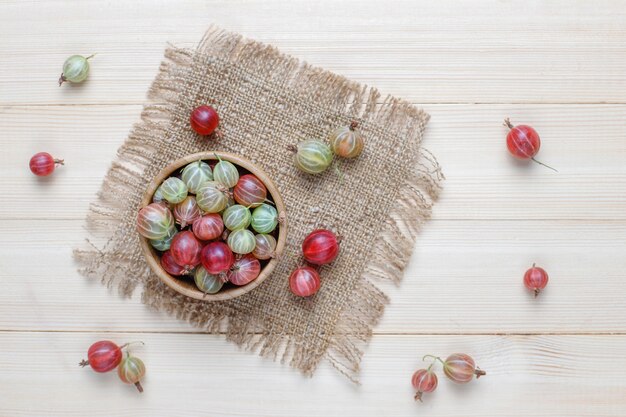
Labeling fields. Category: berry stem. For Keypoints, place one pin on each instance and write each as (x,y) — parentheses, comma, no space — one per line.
(537,290)
(354,125)
(125,345)
(62,79)
(479,372)
(90,56)
(59,161)
(292,148)
(418,396)
(435,358)
(83,363)
(139,387)
(541,163)
(508,123)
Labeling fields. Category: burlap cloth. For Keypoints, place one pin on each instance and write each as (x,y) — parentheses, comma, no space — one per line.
(266,101)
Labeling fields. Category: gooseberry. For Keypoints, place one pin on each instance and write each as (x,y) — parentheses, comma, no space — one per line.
(187,211)
(212,197)
(154,221)
(264,219)
(131,370)
(304,281)
(312,156)
(249,191)
(523,142)
(204,120)
(207,283)
(241,241)
(320,247)
(103,356)
(217,257)
(461,368)
(347,141)
(536,279)
(75,69)
(208,227)
(164,243)
(185,250)
(174,190)
(43,164)
(265,247)
(236,217)
(225,173)
(244,270)
(170,266)
(424,380)
(195,174)
(158,196)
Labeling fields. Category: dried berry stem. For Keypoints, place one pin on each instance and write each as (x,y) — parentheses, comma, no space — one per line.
(83,363)
(292,148)
(62,79)
(537,291)
(354,125)
(59,161)
(479,372)
(541,163)
(139,387)
(508,123)
(418,396)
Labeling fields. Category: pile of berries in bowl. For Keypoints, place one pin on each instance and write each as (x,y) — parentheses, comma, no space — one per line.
(212,226)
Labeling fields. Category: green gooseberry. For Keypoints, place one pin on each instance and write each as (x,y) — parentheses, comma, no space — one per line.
(207,283)
(313,156)
(212,197)
(164,243)
(195,174)
(241,241)
(75,69)
(174,190)
(236,217)
(225,173)
(264,219)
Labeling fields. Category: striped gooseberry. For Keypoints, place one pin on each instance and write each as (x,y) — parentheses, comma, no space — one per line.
(217,257)
(212,197)
(174,190)
(130,370)
(236,217)
(312,156)
(164,243)
(43,164)
(424,380)
(75,69)
(207,283)
(187,211)
(264,219)
(208,227)
(103,356)
(241,241)
(536,279)
(225,173)
(347,141)
(320,247)
(265,247)
(170,266)
(154,221)
(461,368)
(523,142)
(195,174)
(204,120)
(304,281)
(249,191)
(185,250)
(244,270)
(157,197)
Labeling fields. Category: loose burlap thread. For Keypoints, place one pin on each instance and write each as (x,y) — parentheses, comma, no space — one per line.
(268,101)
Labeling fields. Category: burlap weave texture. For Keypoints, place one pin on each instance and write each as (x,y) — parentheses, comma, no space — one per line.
(268,101)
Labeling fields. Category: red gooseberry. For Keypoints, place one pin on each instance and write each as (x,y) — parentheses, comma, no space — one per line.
(217,257)
(204,120)
(244,270)
(185,250)
(304,281)
(320,247)
(208,227)
(43,164)
(536,279)
(461,368)
(523,142)
(424,380)
(103,356)
(170,266)
(249,191)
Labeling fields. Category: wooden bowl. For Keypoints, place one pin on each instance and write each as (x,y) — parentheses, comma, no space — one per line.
(186,286)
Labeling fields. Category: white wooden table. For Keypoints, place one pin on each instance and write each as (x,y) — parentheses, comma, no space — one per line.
(560,66)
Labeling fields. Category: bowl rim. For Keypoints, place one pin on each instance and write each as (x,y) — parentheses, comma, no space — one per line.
(153,258)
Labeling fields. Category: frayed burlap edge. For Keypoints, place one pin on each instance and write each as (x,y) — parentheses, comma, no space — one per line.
(109,214)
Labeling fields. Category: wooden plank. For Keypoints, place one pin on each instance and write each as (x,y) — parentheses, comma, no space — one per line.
(465,277)
(424,51)
(585,142)
(202,374)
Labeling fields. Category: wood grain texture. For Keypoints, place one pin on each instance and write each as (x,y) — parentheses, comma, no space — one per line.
(558,65)
(439,51)
(202,375)
(585,142)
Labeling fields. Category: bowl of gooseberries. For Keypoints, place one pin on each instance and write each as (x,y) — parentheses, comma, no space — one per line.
(212,226)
